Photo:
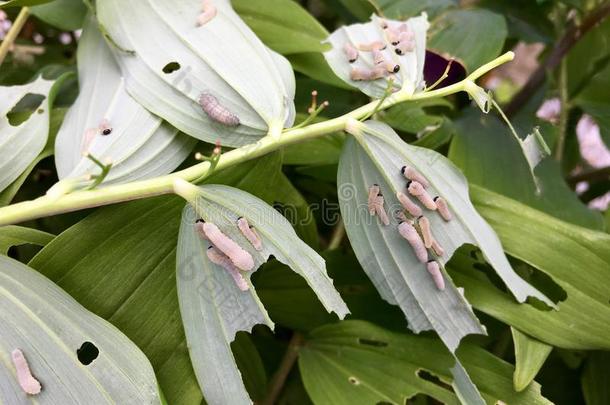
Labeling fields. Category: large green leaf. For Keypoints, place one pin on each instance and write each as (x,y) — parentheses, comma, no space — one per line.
(577,259)
(17,235)
(168,62)
(283,25)
(213,307)
(411,74)
(20,143)
(355,362)
(315,66)
(50,327)
(22,3)
(64,14)
(501,167)
(459,33)
(377,157)
(140,144)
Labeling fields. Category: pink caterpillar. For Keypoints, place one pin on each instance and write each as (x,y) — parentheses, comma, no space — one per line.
(350,52)
(426,231)
(438,249)
(250,233)
(373,192)
(371,46)
(380,211)
(209,12)
(361,74)
(212,107)
(443,208)
(416,189)
(437,276)
(408,231)
(28,383)
(218,258)
(412,174)
(409,205)
(240,257)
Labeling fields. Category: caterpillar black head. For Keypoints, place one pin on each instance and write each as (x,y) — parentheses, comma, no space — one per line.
(200,220)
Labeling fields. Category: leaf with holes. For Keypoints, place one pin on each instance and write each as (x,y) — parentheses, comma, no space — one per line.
(527,234)
(213,306)
(109,124)
(355,362)
(375,60)
(376,156)
(76,356)
(24,125)
(214,80)
(128,276)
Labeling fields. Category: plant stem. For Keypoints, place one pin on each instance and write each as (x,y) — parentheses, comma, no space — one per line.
(572,35)
(47,205)
(13,32)
(279,379)
(337,236)
(564,111)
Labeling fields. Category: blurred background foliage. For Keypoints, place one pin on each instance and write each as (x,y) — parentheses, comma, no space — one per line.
(558,240)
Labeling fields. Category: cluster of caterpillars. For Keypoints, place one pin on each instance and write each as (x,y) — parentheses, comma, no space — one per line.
(401,37)
(417,231)
(227,253)
(104,128)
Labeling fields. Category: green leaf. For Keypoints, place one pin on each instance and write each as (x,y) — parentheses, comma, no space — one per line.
(283,25)
(411,116)
(222,58)
(377,158)
(22,3)
(128,276)
(411,63)
(315,66)
(557,249)
(530,355)
(595,379)
(355,362)
(491,159)
(50,327)
(401,9)
(139,146)
(459,33)
(17,235)
(64,14)
(57,116)
(22,141)
(213,307)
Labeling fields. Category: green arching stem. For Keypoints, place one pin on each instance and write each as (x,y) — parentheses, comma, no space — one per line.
(46,206)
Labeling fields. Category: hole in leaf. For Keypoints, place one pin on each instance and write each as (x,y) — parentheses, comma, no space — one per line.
(353,380)
(542,282)
(371,342)
(428,376)
(87,353)
(171,67)
(22,111)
